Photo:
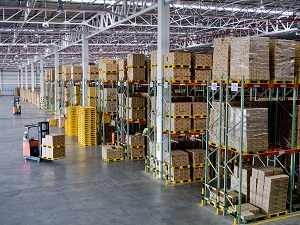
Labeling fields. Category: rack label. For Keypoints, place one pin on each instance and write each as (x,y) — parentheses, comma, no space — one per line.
(214,86)
(234,87)
(119,84)
(166,85)
(125,84)
(151,84)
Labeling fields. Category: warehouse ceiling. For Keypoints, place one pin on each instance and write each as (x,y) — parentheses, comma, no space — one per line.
(31,29)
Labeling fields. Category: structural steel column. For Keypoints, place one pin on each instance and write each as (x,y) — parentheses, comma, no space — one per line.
(19,78)
(26,76)
(56,69)
(85,66)
(22,83)
(32,75)
(42,87)
(1,85)
(162,47)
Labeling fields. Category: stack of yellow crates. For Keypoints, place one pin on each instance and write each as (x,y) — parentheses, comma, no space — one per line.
(87,126)
(71,126)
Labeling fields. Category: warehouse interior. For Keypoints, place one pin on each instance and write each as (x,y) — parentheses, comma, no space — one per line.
(150,111)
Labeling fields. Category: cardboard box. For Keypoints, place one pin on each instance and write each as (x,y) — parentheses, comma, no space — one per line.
(136,74)
(137,152)
(177,74)
(122,64)
(196,156)
(179,158)
(153,55)
(177,58)
(250,58)
(199,108)
(92,92)
(109,93)
(179,124)
(112,152)
(202,74)
(199,124)
(135,140)
(136,102)
(221,58)
(136,114)
(134,60)
(282,59)
(202,59)
(179,109)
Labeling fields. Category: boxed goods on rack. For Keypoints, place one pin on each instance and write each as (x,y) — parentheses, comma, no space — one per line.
(66,72)
(92,92)
(221,58)
(178,109)
(202,74)
(177,74)
(196,156)
(198,108)
(178,124)
(109,93)
(249,57)
(135,60)
(136,102)
(135,114)
(202,59)
(177,58)
(255,129)
(297,60)
(282,59)
(76,73)
(137,153)
(136,74)
(135,140)
(178,158)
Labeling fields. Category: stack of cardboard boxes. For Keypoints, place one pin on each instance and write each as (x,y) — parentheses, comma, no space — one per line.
(76,73)
(135,108)
(180,170)
(66,72)
(250,58)
(53,146)
(221,58)
(153,61)
(178,109)
(197,161)
(202,66)
(110,100)
(199,116)
(136,144)
(122,70)
(92,96)
(93,72)
(136,69)
(282,59)
(254,132)
(177,66)
(268,189)
(108,69)
(112,153)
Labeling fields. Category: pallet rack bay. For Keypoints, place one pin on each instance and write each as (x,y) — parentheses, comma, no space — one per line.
(222,151)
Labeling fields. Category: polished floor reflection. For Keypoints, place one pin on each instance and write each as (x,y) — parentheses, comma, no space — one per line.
(83,190)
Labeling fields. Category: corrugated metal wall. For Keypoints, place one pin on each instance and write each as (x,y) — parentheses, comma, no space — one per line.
(9,80)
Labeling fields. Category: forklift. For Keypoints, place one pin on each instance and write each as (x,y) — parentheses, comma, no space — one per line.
(16,106)
(32,147)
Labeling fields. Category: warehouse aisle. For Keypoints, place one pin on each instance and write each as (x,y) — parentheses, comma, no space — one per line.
(82,189)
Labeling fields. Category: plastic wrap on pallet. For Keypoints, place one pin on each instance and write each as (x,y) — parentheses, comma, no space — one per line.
(249,57)
(255,129)
(221,58)
(282,59)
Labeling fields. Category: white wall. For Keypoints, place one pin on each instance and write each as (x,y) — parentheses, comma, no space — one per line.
(9,80)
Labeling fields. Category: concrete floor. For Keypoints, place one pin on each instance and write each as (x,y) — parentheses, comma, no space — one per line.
(83,190)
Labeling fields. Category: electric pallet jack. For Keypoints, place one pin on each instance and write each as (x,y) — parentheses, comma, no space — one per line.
(32,148)
(16,106)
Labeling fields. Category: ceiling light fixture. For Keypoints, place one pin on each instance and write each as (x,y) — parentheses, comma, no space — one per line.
(45,23)
(261,5)
(60,7)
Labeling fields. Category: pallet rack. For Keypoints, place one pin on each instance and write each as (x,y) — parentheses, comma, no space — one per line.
(123,124)
(227,91)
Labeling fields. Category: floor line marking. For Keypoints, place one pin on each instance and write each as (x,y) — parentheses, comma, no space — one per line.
(276,219)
